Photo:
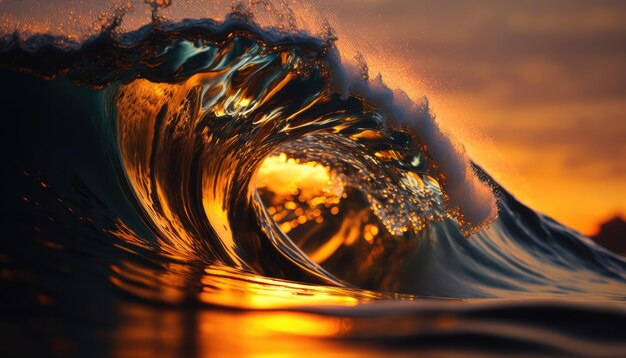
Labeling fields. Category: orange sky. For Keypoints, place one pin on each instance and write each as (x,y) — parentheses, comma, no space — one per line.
(535,90)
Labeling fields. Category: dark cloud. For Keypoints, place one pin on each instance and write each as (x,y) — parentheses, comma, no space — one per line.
(577,46)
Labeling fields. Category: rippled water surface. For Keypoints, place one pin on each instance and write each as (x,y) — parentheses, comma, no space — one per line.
(214,187)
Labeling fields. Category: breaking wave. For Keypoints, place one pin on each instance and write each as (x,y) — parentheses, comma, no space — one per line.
(224,163)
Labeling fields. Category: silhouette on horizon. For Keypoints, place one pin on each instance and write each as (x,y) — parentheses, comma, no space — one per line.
(612,235)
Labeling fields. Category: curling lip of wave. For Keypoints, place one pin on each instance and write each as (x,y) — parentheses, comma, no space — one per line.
(214,129)
(469,199)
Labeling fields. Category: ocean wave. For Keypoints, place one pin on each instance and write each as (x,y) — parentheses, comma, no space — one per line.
(229,164)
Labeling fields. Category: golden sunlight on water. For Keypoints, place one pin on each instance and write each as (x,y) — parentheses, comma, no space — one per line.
(330,221)
(228,288)
(213,333)
(139,102)
(302,195)
(226,334)
(233,334)
(300,191)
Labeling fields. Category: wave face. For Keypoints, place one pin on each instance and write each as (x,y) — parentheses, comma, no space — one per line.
(218,164)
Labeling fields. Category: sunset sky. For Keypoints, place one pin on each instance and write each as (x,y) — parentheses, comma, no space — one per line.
(536,90)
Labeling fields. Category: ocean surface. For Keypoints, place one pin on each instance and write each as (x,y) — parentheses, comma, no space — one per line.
(214,187)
